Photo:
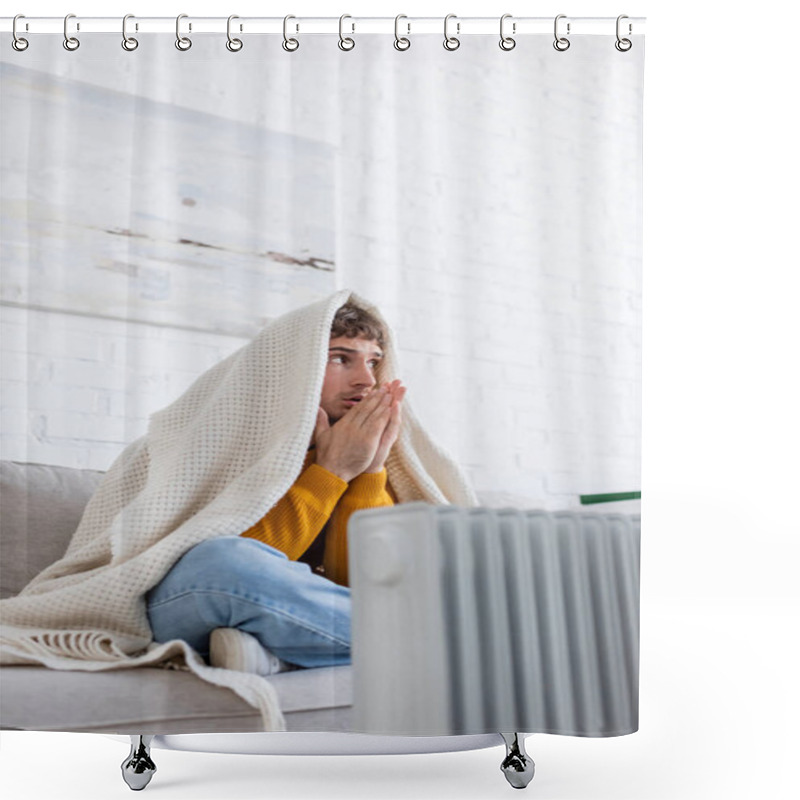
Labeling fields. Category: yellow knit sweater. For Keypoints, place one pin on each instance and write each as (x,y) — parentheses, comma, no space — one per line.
(319,500)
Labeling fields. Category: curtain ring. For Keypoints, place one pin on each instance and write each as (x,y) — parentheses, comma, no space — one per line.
(234,45)
(451,42)
(289,45)
(19,44)
(70,42)
(401,43)
(346,43)
(182,42)
(561,43)
(623,45)
(128,42)
(506,42)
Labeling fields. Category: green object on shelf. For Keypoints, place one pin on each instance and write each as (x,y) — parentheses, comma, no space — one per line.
(588,499)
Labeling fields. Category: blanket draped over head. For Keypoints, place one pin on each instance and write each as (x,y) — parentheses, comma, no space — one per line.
(211,464)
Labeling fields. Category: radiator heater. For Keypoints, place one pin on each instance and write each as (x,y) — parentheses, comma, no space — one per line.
(477,620)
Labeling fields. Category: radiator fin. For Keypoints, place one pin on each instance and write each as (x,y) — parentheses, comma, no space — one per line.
(495,621)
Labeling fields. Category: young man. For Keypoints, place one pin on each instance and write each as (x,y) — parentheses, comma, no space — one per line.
(284,580)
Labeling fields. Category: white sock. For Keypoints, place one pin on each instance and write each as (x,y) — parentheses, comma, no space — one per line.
(231,648)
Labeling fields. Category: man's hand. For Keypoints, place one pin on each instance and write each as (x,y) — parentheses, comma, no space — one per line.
(389,437)
(349,446)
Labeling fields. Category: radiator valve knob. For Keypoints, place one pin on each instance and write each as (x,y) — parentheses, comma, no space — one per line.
(382,562)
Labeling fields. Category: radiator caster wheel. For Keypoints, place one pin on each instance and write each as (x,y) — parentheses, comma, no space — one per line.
(138,768)
(517,766)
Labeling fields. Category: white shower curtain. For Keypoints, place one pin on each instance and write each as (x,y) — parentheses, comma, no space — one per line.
(161,206)
(158,207)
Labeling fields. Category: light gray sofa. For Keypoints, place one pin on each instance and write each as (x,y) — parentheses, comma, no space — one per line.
(40,507)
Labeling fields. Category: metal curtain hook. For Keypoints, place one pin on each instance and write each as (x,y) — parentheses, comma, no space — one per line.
(128,42)
(451,42)
(623,45)
(401,43)
(234,45)
(346,43)
(70,42)
(561,43)
(182,42)
(19,44)
(289,45)
(506,42)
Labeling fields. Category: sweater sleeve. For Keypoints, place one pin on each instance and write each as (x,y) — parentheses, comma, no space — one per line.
(293,523)
(364,491)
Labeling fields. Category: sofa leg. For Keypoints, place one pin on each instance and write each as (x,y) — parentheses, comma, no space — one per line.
(138,768)
(517,766)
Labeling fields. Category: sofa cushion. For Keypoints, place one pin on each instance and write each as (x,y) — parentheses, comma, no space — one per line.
(154,700)
(40,508)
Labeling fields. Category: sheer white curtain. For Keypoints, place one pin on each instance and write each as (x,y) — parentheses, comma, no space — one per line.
(159,206)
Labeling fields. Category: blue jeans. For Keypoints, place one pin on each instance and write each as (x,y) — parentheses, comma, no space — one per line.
(238,582)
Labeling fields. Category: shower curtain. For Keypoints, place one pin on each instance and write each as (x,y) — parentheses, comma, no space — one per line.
(161,205)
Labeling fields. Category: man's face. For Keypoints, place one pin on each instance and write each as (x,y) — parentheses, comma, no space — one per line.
(350,374)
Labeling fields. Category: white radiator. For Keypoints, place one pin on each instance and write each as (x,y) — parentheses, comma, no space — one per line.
(471,621)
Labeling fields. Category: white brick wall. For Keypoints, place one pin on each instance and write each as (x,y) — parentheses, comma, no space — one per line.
(500,228)
(76,389)
(495,220)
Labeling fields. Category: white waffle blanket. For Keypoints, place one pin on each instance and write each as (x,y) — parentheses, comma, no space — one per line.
(211,464)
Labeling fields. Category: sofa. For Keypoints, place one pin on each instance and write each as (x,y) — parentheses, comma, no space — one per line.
(40,508)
